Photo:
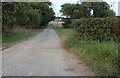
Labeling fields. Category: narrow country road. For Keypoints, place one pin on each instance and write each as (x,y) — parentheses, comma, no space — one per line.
(42,55)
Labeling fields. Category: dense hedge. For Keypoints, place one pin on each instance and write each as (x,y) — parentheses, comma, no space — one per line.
(67,23)
(102,29)
(117,31)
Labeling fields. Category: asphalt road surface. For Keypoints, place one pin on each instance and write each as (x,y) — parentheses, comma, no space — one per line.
(42,55)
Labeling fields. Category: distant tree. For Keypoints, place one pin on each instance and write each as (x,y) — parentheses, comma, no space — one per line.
(100,9)
(67,9)
(75,10)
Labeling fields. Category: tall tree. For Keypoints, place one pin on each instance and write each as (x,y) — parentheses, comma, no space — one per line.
(29,15)
(100,9)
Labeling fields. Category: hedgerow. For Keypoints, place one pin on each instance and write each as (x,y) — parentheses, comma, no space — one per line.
(96,41)
(100,29)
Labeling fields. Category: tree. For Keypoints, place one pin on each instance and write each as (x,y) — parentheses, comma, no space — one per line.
(22,11)
(83,10)
(28,15)
(8,17)
(74,11)
(101,9)
(46,12)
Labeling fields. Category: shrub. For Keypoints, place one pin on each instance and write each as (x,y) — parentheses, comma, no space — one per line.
(117,29)
(67,23)
(101,29)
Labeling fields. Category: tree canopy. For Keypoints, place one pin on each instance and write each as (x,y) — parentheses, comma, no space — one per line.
(83,10)
(29,15)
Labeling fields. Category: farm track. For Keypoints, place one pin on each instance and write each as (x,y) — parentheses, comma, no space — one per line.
(42,55)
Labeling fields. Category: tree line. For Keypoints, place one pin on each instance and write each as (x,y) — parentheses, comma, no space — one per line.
(27,15)
(86,10)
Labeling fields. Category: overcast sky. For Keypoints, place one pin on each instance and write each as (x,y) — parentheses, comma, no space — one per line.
(57,4)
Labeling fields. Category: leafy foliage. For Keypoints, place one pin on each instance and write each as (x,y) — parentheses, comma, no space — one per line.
(28,15)
(76,11)
(101,29)
(101,9)
(67,23)
(83,10)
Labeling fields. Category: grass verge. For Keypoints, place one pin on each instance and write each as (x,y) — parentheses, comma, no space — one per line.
(102,58)
(18,36)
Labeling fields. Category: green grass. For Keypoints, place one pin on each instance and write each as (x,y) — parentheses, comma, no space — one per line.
(64,33)
(18,36)
(100,57)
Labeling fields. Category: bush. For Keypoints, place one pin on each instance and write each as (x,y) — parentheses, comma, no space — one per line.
(67,23)
(101,29)
(117,29)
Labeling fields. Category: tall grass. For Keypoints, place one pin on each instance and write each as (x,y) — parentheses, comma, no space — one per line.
(102,58)
(18,35)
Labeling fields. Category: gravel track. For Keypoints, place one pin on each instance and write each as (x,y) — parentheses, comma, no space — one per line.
(42,55)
